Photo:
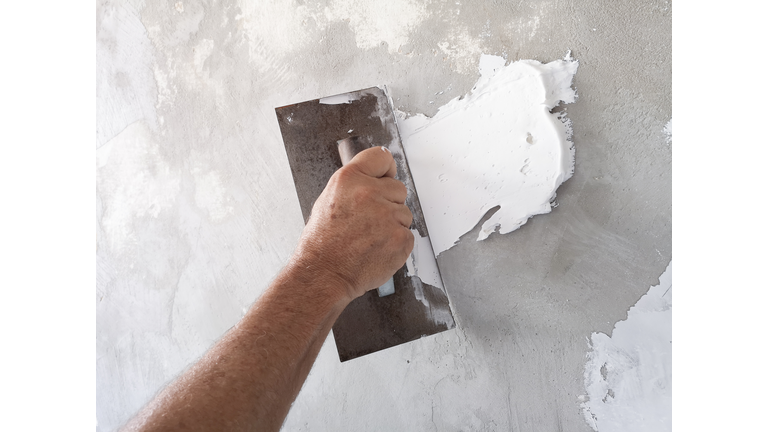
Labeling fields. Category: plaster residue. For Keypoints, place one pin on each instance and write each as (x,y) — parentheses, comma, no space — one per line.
(211,195)
(422,263)
(526,27)
(381,21)
(301,25)
(422,266)
(188,71)
(339,99)
(628,375)
(462,49)
(125,87)
(134,182)
(499,145)
(270,37)
(668,131)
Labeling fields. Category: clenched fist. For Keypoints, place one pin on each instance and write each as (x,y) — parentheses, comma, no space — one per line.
(358,233)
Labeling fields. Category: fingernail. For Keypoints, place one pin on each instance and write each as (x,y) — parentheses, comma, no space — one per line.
(384,149)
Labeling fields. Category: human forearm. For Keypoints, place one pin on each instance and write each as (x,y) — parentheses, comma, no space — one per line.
(293,318)
(253,374)
(357,236)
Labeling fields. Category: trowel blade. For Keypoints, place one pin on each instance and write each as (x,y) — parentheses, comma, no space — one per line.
(310,131)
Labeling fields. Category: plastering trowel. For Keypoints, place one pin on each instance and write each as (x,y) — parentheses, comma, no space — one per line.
(320,136)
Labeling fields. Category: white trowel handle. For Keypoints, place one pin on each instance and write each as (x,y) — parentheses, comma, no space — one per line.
(348,148)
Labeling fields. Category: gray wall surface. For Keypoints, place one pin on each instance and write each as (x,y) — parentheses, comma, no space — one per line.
(197,210)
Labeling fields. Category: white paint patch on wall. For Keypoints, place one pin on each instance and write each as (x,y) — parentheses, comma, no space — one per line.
(497,146)
(629,375)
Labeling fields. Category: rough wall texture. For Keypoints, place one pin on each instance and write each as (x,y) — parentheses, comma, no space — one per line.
(196,209)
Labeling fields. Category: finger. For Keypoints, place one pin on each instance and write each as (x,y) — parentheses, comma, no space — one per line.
(410,241)
(403,246)
(375,162)
(403,215)
(393,190)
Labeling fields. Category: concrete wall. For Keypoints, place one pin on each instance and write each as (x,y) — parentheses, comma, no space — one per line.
(197,210)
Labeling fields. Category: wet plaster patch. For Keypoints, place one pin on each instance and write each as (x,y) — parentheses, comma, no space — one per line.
(628,375)
(500,145)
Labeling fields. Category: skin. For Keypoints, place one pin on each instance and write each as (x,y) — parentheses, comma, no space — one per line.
(356,238)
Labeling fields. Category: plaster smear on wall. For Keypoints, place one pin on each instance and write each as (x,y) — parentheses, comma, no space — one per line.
(125,87)
(376,22)
(136,182)
(629,375)
(300,26)
(499,145)
(668,131)
(462,48)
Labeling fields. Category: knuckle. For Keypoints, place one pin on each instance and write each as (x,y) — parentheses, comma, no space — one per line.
(410,241)
(364,194)
(397,189)
(342,175)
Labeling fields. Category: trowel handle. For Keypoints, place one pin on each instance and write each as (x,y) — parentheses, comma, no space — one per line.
(348,148)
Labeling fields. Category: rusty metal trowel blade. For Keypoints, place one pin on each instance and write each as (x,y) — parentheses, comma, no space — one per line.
(310,131)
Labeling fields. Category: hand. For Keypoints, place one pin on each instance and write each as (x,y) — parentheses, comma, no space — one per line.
(358,232)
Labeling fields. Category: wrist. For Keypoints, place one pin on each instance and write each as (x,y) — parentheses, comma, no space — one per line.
(322,283)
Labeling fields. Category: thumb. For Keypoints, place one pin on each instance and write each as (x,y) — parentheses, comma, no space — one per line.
(375,162)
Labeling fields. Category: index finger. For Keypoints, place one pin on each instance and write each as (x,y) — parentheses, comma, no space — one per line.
(375,162)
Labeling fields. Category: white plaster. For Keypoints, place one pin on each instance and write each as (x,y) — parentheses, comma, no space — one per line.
(166,91)
(275,29)
(421,262)
(422,265)
(628,375)
(373,23)
(668,131)
(343,98)
(410,265)
(498,145)
(389,22)
(462,49)
(438,316)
